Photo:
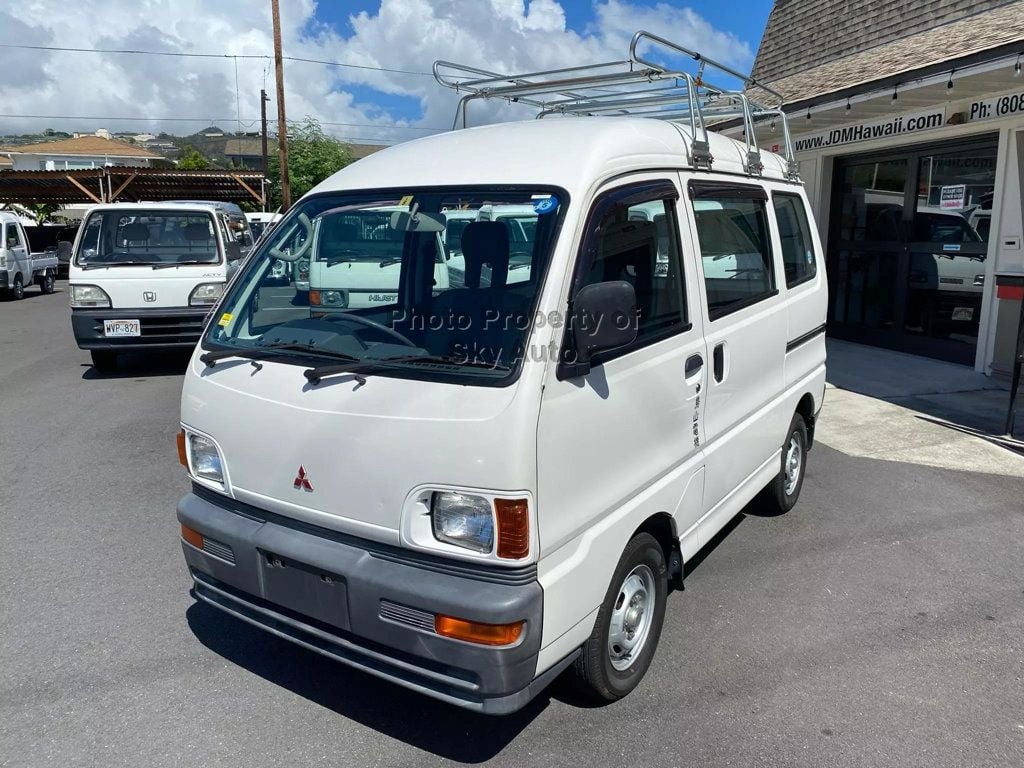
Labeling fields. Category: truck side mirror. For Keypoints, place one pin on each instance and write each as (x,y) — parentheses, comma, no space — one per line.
(233,250)
(603,317)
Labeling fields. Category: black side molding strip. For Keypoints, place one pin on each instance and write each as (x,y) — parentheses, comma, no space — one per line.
(799,340)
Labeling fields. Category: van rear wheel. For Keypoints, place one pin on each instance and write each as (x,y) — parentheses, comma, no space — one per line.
(625,637)
(782,493)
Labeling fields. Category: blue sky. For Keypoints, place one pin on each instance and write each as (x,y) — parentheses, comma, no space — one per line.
(745,19)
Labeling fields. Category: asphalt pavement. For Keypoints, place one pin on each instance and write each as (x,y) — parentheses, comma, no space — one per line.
(880,623)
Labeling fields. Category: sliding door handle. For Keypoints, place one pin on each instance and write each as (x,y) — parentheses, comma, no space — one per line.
(719,362)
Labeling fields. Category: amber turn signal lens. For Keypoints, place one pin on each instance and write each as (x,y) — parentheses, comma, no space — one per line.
(195,538)
(474,632)
(182,456)
(314,297)
(513,528)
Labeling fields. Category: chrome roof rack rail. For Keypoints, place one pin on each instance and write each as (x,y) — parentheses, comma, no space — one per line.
(636,86)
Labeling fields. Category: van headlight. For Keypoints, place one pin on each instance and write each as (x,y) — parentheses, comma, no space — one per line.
(463,520)
(205,459)
(206,294)
(329,298)
(89,296)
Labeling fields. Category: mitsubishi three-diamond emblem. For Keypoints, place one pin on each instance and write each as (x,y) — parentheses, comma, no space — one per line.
(302,481)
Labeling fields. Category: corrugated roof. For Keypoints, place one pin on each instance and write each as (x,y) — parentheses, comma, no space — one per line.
(815,47)
(86,146)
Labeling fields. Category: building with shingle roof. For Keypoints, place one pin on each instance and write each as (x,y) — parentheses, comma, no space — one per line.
(907,121)
(78,153)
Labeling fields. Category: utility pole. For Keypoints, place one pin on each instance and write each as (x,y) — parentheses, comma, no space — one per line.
(263,139)
(282,124)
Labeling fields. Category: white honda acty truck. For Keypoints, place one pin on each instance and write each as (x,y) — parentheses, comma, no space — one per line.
(144,276)
(469,491)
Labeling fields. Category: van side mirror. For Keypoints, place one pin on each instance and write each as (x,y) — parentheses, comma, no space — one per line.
(603,317)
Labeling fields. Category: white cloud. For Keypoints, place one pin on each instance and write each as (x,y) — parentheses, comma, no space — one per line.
(499,35)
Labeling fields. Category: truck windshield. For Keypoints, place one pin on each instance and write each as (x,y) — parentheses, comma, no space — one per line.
(148,238)
(387,292)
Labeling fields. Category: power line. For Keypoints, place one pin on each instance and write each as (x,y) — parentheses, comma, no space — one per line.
(244,121)
(184,54)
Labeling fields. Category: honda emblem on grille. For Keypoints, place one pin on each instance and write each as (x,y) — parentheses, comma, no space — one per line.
(149,296)
(302,481)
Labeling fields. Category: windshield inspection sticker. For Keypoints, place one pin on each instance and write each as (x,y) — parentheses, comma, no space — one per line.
(224,319)
(407,200)
(545,204)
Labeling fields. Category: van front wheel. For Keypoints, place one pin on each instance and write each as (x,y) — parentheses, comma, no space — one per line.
(782,493)
(625,636)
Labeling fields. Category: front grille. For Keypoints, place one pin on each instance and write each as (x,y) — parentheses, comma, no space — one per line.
(160,329)
(218,549)
(410,617)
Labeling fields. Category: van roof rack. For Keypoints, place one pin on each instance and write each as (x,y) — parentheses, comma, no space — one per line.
(635,86)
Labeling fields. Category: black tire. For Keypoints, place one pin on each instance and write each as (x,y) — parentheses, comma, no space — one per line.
(594,673)
(104,360)
(46,284)
(18,289)
(781,494)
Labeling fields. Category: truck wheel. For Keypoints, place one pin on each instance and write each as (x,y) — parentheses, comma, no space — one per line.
(103,360)
(46,284)
(18,289)
(782,493)
(625,636)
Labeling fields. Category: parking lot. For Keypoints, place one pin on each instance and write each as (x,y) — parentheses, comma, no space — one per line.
(879,623)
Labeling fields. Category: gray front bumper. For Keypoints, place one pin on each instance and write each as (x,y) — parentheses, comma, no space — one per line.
(366,604)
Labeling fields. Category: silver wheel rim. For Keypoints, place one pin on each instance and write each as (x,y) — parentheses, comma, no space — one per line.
(794,464)
(631,618)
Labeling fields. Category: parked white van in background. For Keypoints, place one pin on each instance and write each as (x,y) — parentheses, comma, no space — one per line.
(145,276)
(355,260)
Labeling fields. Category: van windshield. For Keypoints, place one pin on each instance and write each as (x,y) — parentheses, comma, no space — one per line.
(148,238)
(416,283)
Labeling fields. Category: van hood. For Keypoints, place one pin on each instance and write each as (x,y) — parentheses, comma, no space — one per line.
(143,286)
(362,447)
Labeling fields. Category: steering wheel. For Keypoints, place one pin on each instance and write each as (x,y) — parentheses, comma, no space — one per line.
(368,323)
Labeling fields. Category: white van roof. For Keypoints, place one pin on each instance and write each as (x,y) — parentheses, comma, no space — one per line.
(566,152)
(176,207)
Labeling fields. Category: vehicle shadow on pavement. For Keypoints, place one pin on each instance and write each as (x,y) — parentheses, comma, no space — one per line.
(136,365)
(433,726)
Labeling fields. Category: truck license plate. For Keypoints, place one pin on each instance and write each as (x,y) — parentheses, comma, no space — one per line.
(115,328)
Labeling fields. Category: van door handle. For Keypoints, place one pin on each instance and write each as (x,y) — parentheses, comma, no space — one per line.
(719,361)
(693,364)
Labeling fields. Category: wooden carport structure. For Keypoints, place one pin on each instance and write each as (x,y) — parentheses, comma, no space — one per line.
(126,184)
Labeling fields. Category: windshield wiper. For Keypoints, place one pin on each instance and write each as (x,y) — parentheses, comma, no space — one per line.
(389,262)
(211,358)
(98,265)
(166,264)
(366,365)
(332,260)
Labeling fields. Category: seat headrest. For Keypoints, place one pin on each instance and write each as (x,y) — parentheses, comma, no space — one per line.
(485,242)
(194,232)
(136,232)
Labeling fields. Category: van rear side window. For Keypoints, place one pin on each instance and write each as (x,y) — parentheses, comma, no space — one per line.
(735,248)
(795,237)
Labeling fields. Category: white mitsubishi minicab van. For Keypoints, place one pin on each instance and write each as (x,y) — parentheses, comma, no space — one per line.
(469,489)
(145,276)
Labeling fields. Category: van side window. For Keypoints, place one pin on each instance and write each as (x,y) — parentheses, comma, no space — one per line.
(795,237)
(632,235)
(735,247)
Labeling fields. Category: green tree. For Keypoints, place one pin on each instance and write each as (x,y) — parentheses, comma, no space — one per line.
(312,157)
(192,159)
(43,211)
